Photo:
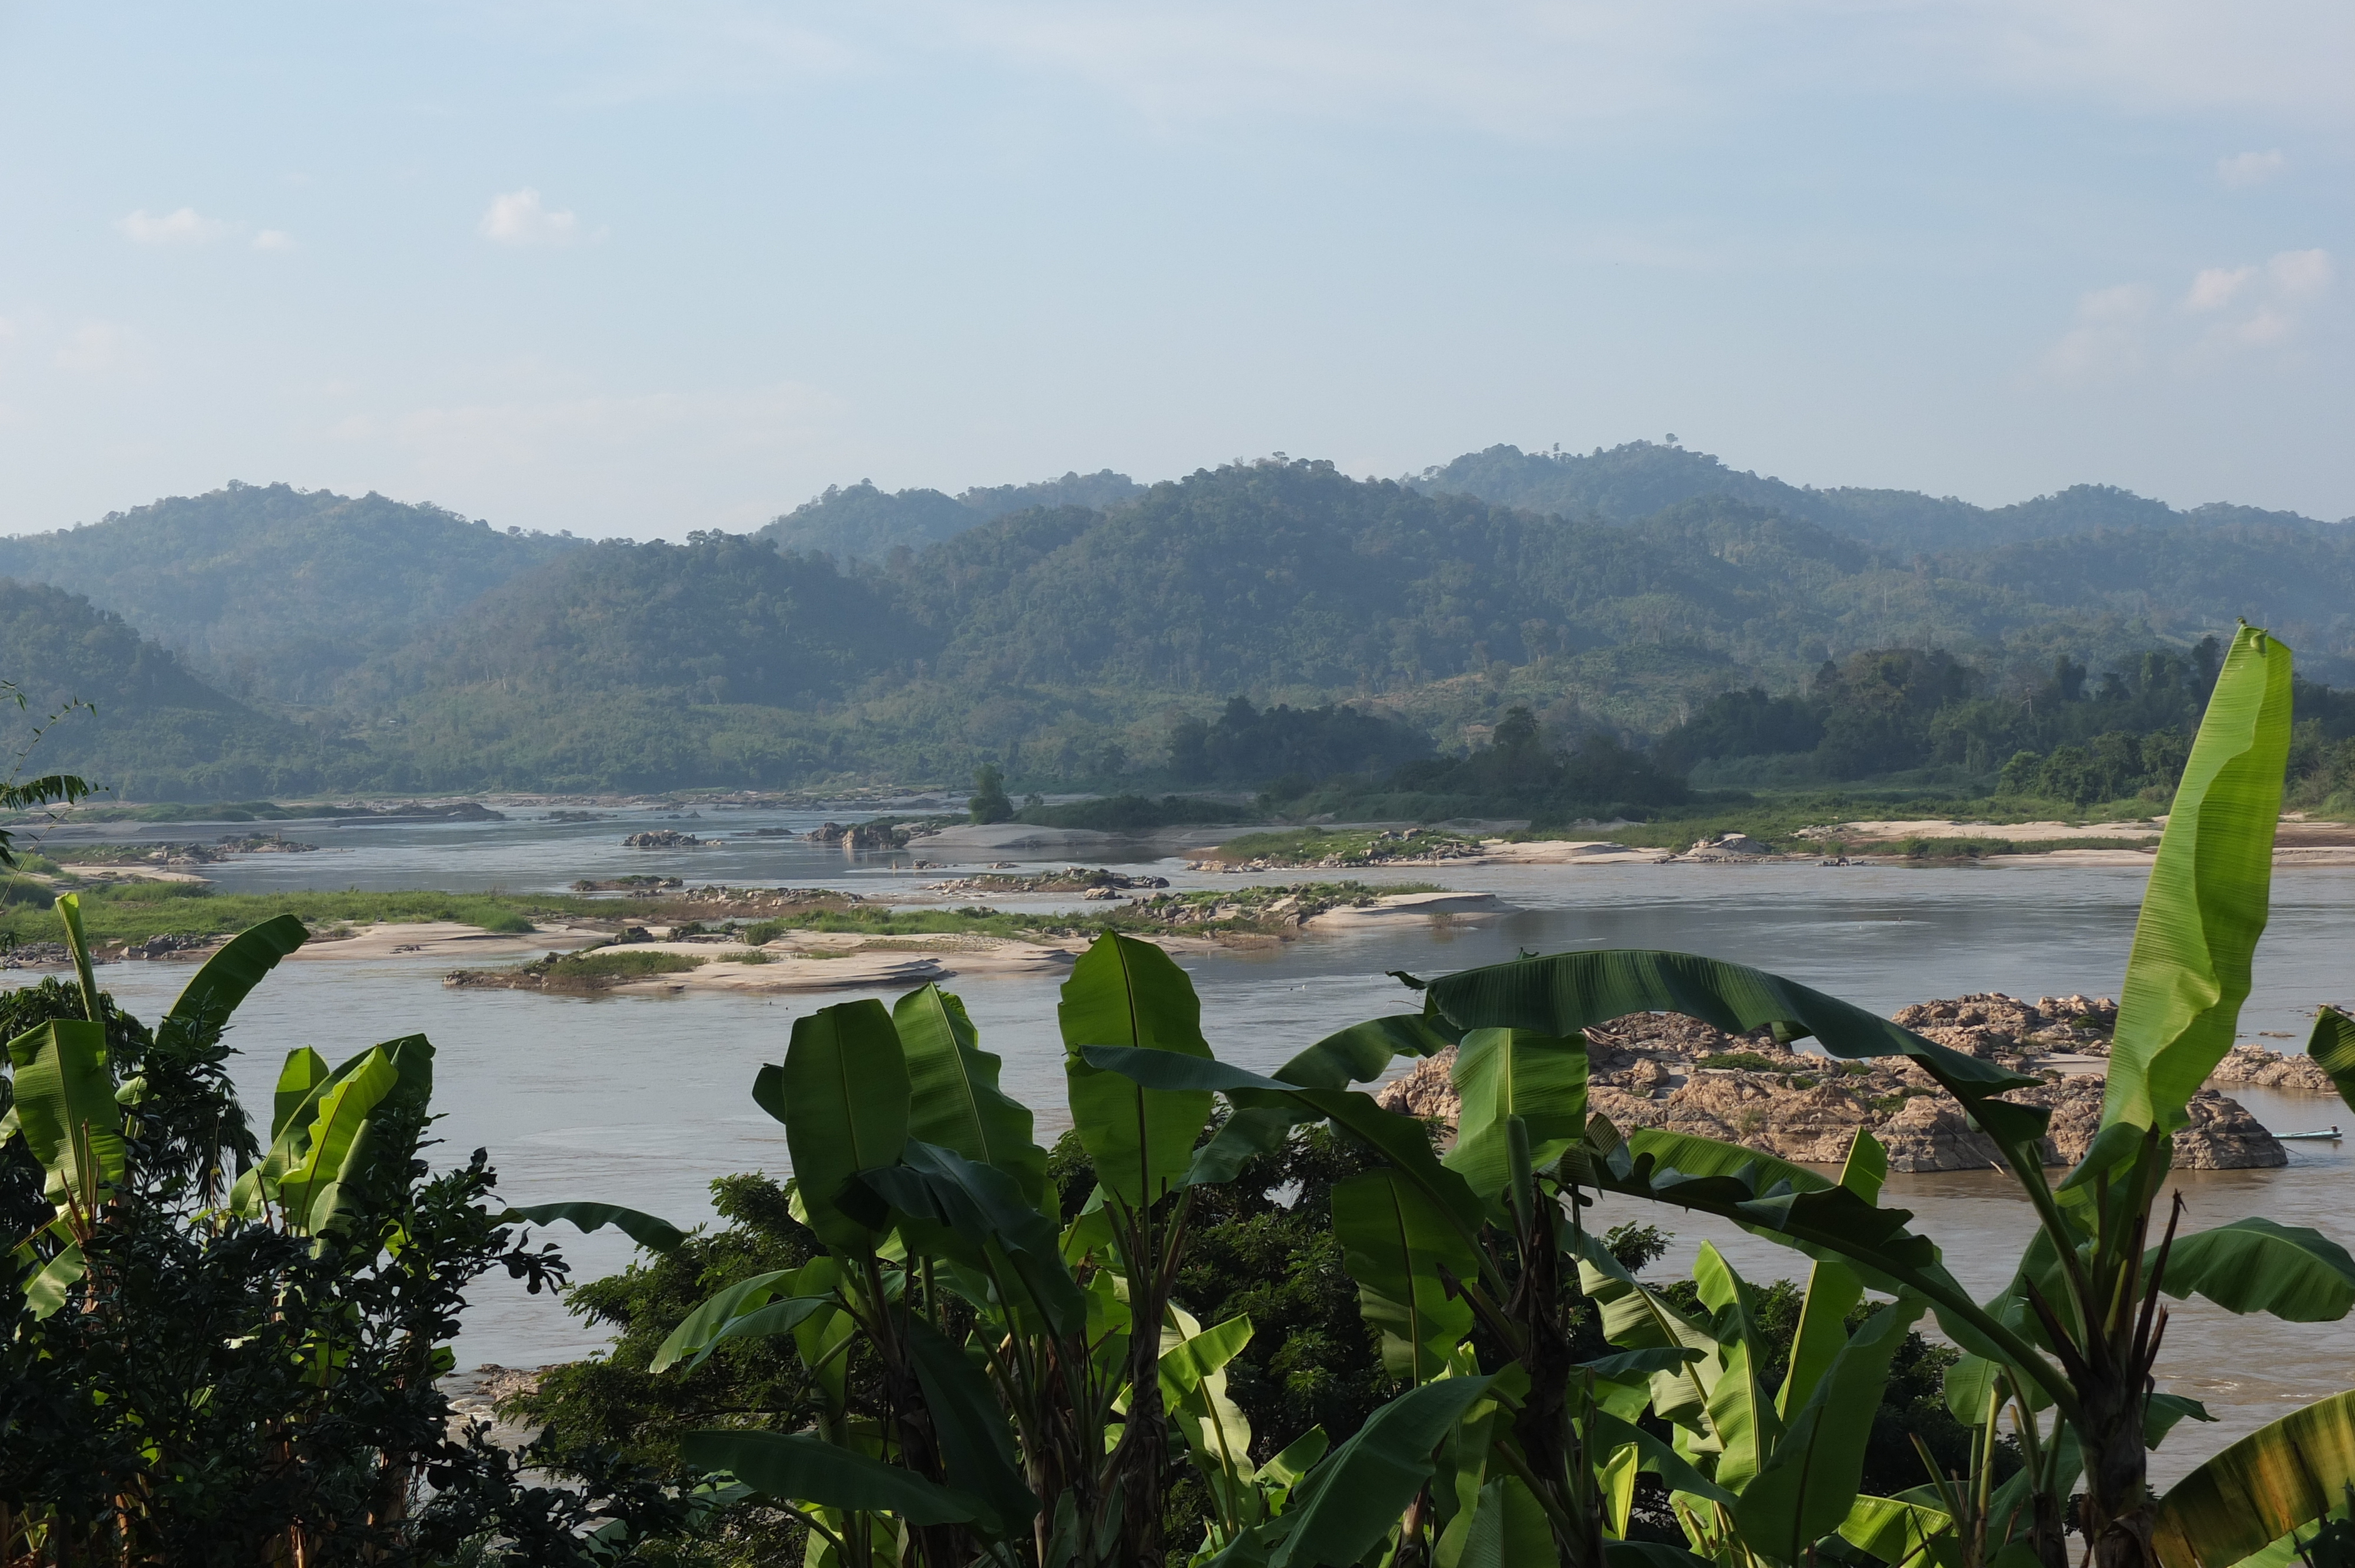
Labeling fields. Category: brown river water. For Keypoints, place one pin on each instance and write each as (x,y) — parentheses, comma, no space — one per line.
(645,1100)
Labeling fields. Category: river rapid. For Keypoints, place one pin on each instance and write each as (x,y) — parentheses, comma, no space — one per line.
(645,1100)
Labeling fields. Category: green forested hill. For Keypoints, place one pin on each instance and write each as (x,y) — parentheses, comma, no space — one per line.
(276,593)
(1639,479)
(1073,642)
(156,731)
(862,523)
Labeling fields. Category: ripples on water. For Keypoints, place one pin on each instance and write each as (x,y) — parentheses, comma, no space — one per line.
(644,1100)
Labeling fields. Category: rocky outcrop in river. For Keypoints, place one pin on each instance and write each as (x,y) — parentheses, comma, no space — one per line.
(1664,1070)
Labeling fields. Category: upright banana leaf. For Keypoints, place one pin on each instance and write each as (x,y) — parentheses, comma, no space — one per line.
(1808,1486)
(954,1097)
(2283,1474)
(843,1095)
(65,1109)
(1124,991)
(1352,1500)
(365,1119)
(2187,973)
(226,979)
(1396,1242)
(304,1074)
(1833,1288)
(1507,1529)
(977,1445)
(1507,1074)
(2333,1046)
(1193,1380)
(70,912)
(1741,1413)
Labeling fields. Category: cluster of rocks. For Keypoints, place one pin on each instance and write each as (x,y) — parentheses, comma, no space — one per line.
(577,817)
(155,948)
(665,838)
(860,835)
(1096,884)
(641,886)
(1667,1071)
(1400,846)
(1727,847)
(1271,911)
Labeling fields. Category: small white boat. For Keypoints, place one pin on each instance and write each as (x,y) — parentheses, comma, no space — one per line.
(2331,1133)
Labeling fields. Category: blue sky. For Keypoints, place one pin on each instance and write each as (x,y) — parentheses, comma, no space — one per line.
(643,268)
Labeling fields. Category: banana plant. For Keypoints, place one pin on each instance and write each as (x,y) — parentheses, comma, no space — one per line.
(2078,1332)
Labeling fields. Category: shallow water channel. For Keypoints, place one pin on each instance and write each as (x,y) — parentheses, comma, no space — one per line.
(645,1100)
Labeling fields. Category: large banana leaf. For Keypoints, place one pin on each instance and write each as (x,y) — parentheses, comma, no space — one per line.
(301,1078)
(699,1329)
(976,1214)
(2285,1474)
(65,1109)
(2187,973)
(1124,991)
(1352,1500)
(954,1097)
(2257,1266)
(1566,992)
(1901,1534)
(1509,1530)
(1504,1075)
(649,1231)
(1636,1316)
(1357,1054)
(2333,1046)
(1833,1288)
(800,1469)
(309,1191)
(1808,1486)
(1741,1414)
(225,979)
(842,1094)
(977,1445)
(1395,1241)
(70,912)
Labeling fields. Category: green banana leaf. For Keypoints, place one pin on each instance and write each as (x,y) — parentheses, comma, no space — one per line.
(1675,1472)
(2257,1266)
(1394,1243)
(1406,1142)
(1509,1530)
(301,1078)
(1564,993)
(2188,971)
(1357,1054)
(1741,1413)
(1124,991)
(968,1212)
(205,1003)
(954,1099)
(2283,1474)
(66,1111)
(1900,1533)
(700,1326)
(1502,1074)
(1353,1499)
(652,1234)
(1636,1316)
(843,1097)
(1833,1288)
(800,1469)
(45,1292)
(1194,1392)
(310,1189)
(977,1445)
(70,912)
(1808,1486)
(2333,1046)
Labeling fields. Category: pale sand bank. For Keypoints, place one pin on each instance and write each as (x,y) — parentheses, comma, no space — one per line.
(445,940)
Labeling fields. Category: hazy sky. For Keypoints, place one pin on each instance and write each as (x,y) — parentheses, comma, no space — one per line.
(643,268)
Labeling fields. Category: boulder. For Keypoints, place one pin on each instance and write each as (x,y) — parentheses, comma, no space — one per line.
(2255,1066)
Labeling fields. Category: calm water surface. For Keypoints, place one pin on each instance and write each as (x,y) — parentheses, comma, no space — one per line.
(645,1100)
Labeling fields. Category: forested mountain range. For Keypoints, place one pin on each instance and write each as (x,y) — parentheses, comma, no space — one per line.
(273,592)
(862,523)
(378,646)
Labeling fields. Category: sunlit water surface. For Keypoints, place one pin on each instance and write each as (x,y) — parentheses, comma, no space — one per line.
(645,1100)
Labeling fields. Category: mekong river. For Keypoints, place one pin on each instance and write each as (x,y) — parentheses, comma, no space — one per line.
(645,1100)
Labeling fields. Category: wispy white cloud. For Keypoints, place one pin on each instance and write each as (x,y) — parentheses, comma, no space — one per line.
(521,217)
(2214,288)
(104,350)
(273,240)
(2250,306)
(184,227)
(2245,169)
(2108,337)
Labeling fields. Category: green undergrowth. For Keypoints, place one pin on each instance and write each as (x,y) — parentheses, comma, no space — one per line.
(874,920)
(610,964)
(1346,846)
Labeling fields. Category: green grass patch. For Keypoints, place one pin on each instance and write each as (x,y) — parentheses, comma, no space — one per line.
(751,956)
(1745,1062)
(620,964)
(883,921)
(134,911)
(1345,846)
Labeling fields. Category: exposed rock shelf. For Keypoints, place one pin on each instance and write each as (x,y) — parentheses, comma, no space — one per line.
(1667,1071)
